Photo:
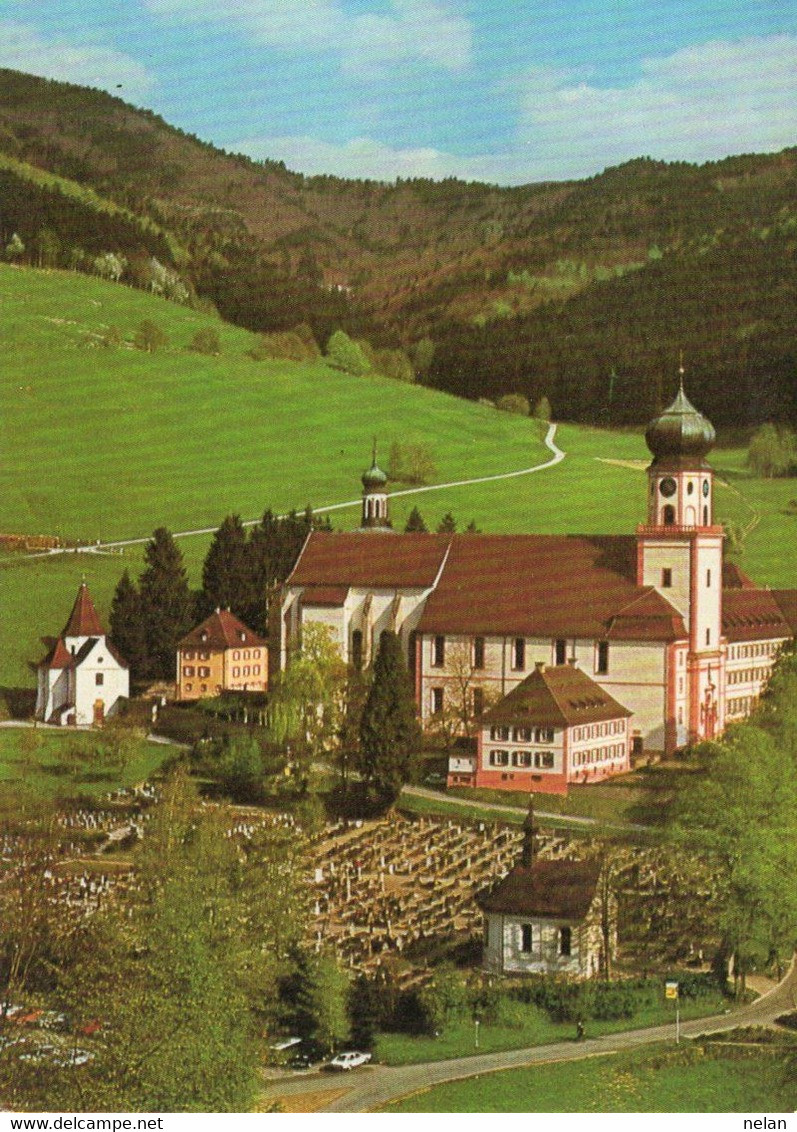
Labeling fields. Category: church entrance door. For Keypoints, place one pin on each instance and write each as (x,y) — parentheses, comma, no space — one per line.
(99,713)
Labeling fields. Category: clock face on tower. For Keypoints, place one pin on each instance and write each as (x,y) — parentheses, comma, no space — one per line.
(668,487)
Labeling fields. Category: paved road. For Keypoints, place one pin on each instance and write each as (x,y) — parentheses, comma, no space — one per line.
(374,1086)
(498,808)
(106,547)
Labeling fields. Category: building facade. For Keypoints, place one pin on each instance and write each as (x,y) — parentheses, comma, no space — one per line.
(221,655)
(83,679)
(678,637)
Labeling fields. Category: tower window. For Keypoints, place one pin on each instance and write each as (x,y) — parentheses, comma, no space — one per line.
(708,636)
(560,652)
(437,701)
(478,652)
(705,516)
(669,515)
(519,653)
(478,701)
(666,578)
(708,577)
(602,658)
(439,652)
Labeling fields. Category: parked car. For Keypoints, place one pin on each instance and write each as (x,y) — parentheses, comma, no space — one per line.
(350,1060)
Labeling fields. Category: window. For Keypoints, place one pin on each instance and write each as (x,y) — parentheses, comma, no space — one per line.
(499,758)
(519,654)
(666,578)
(236,655)
(602,658)
(560,652)
(543,760)
(526,938)
(499,733)
(188,687)
(543,735)
(203,672)
(521,758)
(188,670)
(204,688)
(188,656)
(437,701)
(565,941)
(522,734)
(705,516)
(478,701)
(439,652)
(255,669)
(236,672)
(708,636)
(478,652)
(99,679)
(708,578)
(256,654)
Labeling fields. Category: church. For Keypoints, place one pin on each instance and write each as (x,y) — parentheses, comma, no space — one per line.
(671,642)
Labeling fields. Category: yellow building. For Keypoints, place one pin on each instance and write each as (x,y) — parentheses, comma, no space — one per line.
(221,655)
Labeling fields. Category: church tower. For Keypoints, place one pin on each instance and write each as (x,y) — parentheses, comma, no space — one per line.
(680,554)
(374,512)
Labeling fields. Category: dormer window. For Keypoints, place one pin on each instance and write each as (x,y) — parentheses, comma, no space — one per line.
(203,635)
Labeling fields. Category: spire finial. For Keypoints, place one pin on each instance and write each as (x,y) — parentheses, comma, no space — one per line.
(681,371)
(373,452)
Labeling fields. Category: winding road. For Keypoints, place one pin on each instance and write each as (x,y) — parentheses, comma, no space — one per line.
(557,455)
(374,1086)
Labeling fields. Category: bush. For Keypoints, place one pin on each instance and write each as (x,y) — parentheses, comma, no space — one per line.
(411,463)
(514,403)
(206,341)
(149,336)
(290,345)
(344,354)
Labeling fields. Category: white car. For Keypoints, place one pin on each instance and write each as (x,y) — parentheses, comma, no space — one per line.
(350,1060)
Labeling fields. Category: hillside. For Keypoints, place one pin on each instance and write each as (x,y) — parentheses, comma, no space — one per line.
(543,288)
(109,441)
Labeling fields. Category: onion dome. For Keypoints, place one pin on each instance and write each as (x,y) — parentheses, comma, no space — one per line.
(374,478)
(680,431)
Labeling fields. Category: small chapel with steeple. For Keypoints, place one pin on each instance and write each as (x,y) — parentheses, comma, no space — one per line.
(665,640)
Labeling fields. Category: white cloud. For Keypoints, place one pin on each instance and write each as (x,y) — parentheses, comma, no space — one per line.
(701,103)
(22,48)
(428,31)
(366,158)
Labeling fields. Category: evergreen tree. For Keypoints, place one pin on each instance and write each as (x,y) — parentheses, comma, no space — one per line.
(166,604)
(415,522)
(389,731)
(126,622)
(226,575)
(363,1013)
(447,525)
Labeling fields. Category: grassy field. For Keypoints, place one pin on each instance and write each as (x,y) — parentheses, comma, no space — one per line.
(40,764)
(530,1027)
(110,442)
(650,1081)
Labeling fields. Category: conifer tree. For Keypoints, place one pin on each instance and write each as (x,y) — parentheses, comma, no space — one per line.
(166,604)
(128,631)
(415,522)
(389,731)
(447,525)
(226,575)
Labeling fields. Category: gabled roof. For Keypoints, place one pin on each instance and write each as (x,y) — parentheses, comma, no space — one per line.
(357,558)
(562,696)
(548,586)
(222,630)
(83,620)
(753,615)
(556,890)
(59,656)
(734,578)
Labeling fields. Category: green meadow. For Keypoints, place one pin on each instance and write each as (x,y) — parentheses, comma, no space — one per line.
(647,1081)
(108,442)
(50,764)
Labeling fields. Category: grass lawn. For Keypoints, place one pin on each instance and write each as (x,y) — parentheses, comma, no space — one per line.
(639,797)
(46,770)
(532,1027)
(658,1080)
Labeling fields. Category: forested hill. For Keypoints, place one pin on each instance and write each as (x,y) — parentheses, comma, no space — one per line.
(539,289)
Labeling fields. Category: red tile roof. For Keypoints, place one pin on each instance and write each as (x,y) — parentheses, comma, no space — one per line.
(734,578)
(787,603)
(555,890)
(222,630)
(754,615)
(561,696)
(83,620)
(370,559)
(548,586)
(59,656)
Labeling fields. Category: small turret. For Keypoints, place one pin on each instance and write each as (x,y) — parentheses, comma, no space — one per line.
(680,432)
(374,512)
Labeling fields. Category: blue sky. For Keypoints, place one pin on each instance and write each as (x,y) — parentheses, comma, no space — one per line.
(507,91)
